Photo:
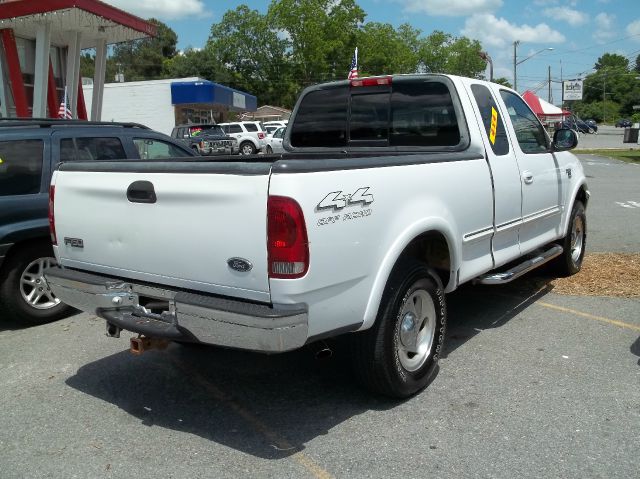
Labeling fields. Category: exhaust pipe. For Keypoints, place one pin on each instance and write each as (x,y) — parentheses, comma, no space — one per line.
(321,350)
(141,344)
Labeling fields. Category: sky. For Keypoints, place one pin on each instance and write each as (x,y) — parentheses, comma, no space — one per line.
(578,31)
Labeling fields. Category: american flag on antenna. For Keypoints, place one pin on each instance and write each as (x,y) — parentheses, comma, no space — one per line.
(353,70)
(65,111)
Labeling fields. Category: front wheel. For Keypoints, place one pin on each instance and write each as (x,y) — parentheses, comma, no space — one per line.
(398,355)
(24,292)
(574,243)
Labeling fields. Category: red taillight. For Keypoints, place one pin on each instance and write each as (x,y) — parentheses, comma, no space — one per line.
(260,135)
(52,218)
(373,81)
(287,244)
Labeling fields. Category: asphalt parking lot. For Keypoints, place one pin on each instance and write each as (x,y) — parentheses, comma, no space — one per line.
(532,384)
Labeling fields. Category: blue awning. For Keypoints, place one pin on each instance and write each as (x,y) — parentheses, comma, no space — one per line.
(206,92)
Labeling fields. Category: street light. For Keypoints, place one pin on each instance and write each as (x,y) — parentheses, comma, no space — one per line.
(485,56)
(516,63)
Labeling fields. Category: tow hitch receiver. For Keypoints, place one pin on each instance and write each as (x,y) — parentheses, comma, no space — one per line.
(141,344)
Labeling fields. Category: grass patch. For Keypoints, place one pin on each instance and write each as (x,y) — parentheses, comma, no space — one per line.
(628,155)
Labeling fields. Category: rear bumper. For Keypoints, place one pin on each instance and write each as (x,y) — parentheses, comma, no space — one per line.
(185,316)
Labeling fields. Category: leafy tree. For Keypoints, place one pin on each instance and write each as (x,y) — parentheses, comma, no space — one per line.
(444,53)
(612,60)
(144,59)
(201,63)
(383,50)
(246,43)
(503,81)
(321,33)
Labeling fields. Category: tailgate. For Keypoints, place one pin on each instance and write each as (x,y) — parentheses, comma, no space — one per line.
(203,215)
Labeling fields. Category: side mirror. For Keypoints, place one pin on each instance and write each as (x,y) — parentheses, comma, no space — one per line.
(564,139)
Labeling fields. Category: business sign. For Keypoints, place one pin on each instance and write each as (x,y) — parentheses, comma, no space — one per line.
(572,90)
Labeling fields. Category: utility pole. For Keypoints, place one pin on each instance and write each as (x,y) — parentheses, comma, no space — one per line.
(515,79)
(604,98)
(549,96)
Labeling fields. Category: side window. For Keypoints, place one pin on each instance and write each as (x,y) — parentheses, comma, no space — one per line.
(369,119)
(251,127)
(152,149)
(99,149)
(491,119)
(422,114)
(235,129)
(68,150)
(529,132)
(20,167)
(321,119)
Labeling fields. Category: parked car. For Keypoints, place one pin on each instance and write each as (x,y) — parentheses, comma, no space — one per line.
(275,123)
(249,134)
(274,142)
(579,125)
(359,230)
(269,129)
(624,123)
(206,139)
(29,152)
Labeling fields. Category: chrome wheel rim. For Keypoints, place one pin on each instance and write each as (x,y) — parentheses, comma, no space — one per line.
(247,150)
(416,330)
(577,239)
(33,285)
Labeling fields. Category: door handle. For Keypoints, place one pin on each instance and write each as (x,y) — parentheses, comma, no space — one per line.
(527,176)
(141,192)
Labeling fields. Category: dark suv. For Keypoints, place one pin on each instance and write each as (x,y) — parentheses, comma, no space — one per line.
(30,149)
(206,139)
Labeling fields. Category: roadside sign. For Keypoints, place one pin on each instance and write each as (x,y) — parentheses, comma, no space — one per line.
(572,90)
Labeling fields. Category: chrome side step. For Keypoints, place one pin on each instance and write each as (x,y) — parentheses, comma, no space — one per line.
(518,270)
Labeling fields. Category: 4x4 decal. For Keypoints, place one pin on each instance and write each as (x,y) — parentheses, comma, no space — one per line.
(338,200)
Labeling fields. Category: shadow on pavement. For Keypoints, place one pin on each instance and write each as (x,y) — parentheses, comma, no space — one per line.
(472,309)
(268,406)
(635,349)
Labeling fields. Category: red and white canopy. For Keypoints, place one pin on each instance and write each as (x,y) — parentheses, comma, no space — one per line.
(543,108)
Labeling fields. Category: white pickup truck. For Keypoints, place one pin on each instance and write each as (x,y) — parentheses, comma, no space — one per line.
(393,191)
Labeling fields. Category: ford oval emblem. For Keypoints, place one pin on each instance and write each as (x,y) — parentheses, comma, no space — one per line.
(239,264)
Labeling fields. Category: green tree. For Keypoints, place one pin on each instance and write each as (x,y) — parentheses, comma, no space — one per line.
(144,59)
(321,35)
(384,50)
(246,43)
(503,81)
(443,53)
(199,63)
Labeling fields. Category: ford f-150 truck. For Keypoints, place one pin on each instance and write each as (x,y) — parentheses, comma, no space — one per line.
(393,191)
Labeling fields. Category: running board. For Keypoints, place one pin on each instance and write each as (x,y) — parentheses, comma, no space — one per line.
(519,270)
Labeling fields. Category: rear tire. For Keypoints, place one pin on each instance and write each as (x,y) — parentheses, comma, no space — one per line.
(23,292)
(398,355)
(247,148)
(570,261)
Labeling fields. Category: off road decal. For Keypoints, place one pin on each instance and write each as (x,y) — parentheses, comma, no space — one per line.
(494,126)
(339,200)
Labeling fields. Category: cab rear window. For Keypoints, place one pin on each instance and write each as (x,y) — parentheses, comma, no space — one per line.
(410,113)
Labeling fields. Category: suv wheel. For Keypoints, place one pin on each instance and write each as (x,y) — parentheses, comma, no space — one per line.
(247,148)
(24,292)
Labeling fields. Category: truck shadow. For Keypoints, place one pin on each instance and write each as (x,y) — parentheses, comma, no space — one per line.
(266,406)
(472,309)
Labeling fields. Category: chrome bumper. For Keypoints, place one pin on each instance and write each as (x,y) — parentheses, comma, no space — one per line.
(179,315)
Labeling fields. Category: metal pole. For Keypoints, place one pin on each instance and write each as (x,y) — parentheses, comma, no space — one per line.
(515,78)
(604,98)
(549,96)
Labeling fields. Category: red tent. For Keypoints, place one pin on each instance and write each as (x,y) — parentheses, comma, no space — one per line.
(544,110)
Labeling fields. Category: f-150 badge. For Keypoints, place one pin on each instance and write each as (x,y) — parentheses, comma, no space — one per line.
(338,200)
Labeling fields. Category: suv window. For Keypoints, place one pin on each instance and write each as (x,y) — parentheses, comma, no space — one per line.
(83,149)
(153,149)
(235,129)
(489,113)
(413,113)
(20,167)
(529,132)
(251,127)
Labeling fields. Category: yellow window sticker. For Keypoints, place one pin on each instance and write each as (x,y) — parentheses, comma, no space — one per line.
(494,126)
